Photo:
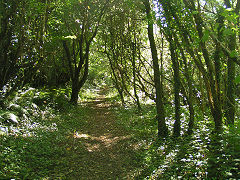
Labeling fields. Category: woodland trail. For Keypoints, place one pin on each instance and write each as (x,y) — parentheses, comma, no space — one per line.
(106,149)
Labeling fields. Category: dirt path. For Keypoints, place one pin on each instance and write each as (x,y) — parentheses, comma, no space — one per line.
(103,149)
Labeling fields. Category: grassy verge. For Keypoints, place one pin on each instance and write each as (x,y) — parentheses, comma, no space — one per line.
(41,145)
(43,153)
(202,155)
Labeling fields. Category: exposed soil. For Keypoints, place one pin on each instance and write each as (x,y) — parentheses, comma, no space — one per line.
(102,149)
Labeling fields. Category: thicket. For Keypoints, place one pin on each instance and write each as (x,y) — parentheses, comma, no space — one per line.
(173,66)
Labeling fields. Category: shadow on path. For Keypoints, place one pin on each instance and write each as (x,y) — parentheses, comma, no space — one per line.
(102,149)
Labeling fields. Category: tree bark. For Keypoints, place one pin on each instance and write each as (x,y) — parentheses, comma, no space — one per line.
(177,84)
(115,79)
(162,128)
(231,74)
(134,76)
(187,74)
(213,96)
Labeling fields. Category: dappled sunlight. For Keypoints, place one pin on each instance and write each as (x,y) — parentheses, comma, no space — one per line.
(92,147)
(103,105)
(107,150)
(94,143)
(76,135)
(98,103)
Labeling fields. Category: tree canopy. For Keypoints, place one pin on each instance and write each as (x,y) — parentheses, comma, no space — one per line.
(180,56)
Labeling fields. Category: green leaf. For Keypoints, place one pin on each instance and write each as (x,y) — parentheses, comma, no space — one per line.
(237,80)
(195,12)
(227,32)
(205,36)
(233,54)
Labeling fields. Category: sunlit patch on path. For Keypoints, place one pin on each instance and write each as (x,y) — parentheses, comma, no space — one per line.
(106,140)
(101,149)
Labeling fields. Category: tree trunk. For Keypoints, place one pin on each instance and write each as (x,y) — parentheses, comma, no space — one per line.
(217,59)
(210,82)
(231,73)
(230,99)
(162,128)
(177,83)
(75,92)
(187,74)
(134,76)
(115,79)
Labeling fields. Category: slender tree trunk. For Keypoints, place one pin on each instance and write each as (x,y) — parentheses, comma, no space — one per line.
(177,84)
(162,128)
(134,76)
(115,79)
(187,74)
(231,74)
(213,99)
(217,58)
(191,110)
(202,98)
(230,99)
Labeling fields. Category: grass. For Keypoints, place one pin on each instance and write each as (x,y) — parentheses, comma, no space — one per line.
(40,154)
(37,148)
(43,145)
(203,155)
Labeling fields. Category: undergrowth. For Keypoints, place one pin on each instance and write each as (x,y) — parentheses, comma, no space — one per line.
(38,146)
(203,155)
(42,146)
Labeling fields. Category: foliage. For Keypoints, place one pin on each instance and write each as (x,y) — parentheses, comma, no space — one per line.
(37,148)
(182,56)
(202,155)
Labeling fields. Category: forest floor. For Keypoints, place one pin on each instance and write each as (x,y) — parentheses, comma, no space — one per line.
(101,149)
(99,139)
